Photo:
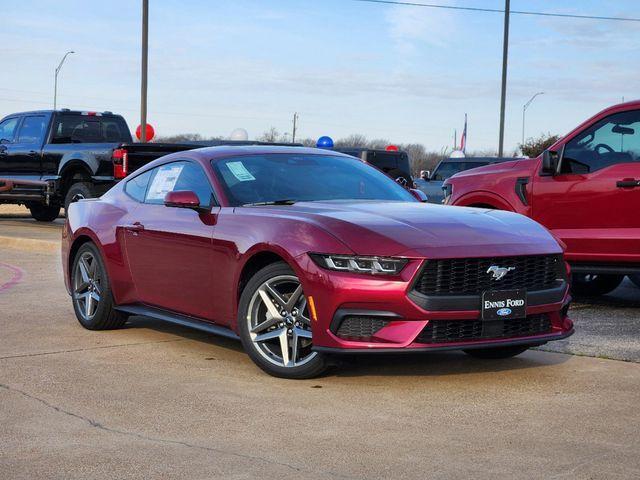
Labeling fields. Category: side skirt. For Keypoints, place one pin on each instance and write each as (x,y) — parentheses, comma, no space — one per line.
(178,319)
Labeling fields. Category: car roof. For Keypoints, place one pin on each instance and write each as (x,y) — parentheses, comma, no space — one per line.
(218,152)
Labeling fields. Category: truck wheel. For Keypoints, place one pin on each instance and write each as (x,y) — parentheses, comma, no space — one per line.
(78,191)
(635,279)
(592,285)
(44,213)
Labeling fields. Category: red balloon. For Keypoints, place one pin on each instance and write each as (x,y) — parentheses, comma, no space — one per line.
(150,132)
(392,148)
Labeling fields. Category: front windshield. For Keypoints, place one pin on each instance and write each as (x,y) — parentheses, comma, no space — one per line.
(291,177)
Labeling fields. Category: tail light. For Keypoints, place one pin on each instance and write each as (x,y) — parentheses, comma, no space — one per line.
(120,163)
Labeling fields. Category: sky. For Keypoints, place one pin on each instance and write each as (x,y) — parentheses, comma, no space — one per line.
(403,73)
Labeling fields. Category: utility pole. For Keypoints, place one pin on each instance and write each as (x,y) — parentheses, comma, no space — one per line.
(55,80)
(295,127)
(503,95)
(524,111)
(145,56)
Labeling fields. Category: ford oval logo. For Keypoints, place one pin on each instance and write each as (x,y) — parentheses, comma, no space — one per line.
(503,312)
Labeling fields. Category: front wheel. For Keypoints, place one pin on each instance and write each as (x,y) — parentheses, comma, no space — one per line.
(594,284)
(274,324)
(44,213)
(496,353)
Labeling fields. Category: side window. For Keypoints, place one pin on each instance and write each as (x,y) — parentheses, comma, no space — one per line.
(612,140)
(137,186)
(32,130)
(8,129)
(179,176)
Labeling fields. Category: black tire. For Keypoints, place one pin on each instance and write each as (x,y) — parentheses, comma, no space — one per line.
(105,316)
(314,367)
(44,213)
(497,353)
(635,279)
(78,191)
(593,285)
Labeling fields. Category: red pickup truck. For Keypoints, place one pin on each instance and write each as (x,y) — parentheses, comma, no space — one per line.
(585,189)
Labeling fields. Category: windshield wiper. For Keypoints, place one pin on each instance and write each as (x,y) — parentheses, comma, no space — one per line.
(284,201)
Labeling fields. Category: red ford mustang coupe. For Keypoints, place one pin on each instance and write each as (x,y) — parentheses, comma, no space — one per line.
(304,254)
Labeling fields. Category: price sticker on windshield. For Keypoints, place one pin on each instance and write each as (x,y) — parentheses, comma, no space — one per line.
(240,171)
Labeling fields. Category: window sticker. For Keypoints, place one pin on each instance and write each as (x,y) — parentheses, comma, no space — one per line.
(240,171)
(164,181)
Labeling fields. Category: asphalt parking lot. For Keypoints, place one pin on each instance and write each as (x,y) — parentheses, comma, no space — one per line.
(154,400)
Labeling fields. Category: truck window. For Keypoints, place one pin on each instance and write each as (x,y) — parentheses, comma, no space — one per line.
(614,139)
(8,129)
(77,128)
(32,130)
(448,169)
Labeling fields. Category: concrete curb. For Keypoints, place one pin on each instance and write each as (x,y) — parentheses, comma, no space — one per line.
(29,244)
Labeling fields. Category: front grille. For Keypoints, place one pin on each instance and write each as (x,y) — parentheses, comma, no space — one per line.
(468,276)
(443,331)
(359,327)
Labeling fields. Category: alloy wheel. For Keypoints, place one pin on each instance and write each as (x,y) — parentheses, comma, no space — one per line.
(279,322)
(87,285)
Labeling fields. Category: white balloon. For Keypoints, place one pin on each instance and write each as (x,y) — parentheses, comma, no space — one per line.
(457,154)
(239,134)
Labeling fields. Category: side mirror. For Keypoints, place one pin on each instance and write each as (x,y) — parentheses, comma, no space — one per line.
(182,199)
(419,195)
(550,162)
(425,175)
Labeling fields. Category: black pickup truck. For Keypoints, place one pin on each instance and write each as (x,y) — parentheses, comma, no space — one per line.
(49,159)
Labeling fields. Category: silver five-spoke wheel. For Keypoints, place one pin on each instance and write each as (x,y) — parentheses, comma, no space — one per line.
(87,285)
(279,322)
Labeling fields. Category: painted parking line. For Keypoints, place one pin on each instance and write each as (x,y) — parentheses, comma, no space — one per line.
(17,274)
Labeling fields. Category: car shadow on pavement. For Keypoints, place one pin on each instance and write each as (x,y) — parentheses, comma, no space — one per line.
(393,365)
(184,332)
(439,364)
(626,295)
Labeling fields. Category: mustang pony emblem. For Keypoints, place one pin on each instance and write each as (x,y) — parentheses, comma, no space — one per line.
(499,272)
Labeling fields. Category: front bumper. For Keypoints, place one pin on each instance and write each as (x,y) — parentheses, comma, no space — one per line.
(404,320)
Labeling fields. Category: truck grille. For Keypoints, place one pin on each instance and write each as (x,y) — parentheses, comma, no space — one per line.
(443,331)
(468,276)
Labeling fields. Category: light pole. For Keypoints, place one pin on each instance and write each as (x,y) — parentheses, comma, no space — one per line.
(524,111)
(55,82)
(143,76)
(503,93)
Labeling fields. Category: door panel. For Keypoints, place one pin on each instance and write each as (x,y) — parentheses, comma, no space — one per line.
(171,259)
(598,220)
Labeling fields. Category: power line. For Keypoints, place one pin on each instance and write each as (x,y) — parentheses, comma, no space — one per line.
(497,10)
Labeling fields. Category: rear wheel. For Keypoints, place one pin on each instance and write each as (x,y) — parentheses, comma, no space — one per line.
(44,213)
(91,292)
(78,191)
(497,353)
(275,327)
(594,284)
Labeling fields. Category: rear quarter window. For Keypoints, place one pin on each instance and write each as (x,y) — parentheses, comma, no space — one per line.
(77,128)
(136,188)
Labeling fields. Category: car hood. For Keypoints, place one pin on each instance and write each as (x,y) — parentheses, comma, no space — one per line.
(420,229)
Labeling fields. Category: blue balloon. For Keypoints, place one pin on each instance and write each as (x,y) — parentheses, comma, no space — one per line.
(325,142)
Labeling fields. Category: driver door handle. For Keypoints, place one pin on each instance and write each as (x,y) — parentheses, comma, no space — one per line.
(628,183)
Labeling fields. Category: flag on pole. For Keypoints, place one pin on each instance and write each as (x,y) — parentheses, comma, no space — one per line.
(463,137)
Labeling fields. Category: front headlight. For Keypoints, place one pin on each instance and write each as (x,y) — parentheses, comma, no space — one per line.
(360,264)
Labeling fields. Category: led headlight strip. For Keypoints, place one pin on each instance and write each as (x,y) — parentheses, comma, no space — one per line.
(360,264)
